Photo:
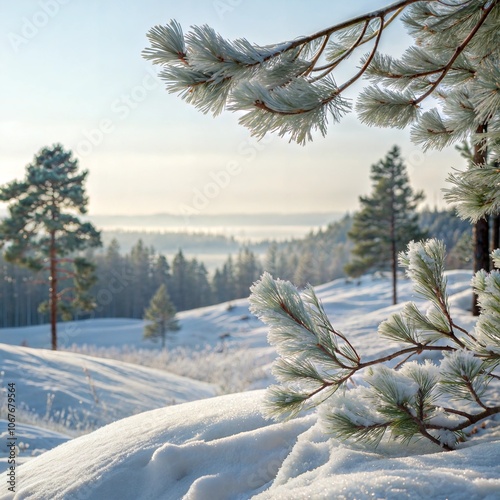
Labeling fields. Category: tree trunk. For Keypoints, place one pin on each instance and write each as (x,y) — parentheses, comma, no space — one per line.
(394,251)
(163,335)
(495,238)
(53,291)
(394,273)
(481,230)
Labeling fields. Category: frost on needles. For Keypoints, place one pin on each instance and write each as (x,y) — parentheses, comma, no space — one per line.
(401,394)
(296,87)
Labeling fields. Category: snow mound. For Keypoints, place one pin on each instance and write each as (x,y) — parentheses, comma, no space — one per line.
(83,392)
(223,448)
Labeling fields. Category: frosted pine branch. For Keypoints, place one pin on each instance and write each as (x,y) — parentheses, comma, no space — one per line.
(475,192)
(289,88)
(408,400)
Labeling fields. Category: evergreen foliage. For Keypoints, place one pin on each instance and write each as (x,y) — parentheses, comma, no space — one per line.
(412,399)
(234,280)
(317,258)
(161,314)
(387,220)
(43,228)
(290,88)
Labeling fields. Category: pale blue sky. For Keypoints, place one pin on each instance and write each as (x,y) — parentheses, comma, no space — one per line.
(72,72)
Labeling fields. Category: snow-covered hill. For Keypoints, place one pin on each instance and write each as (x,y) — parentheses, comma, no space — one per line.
(93,391)
(199,328)
(222,447)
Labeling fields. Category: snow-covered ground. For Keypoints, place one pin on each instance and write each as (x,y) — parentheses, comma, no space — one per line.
(81,392)
(221,447)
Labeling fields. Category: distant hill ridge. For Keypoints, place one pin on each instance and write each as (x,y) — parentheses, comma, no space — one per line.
(208,220)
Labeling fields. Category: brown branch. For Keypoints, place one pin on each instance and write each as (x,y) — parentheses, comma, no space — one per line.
(423,430)
(418,349)
(381,13)
(464,414)
(473,392)
(474,419)
(317,56)
(367,63)
(402,362)
(345,55)
(446,312)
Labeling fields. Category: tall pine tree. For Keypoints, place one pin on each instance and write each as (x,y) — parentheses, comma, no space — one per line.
(387,220)
(161,316)
(42,229)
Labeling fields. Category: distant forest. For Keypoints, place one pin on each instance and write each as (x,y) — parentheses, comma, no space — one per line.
(127,279)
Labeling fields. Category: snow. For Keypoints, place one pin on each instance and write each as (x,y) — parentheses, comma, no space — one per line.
(90,392)
(34,441)
(222,447)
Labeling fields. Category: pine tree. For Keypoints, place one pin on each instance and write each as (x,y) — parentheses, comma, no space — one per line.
(161,314)
(161,272)
(224,282)
(112,273)
(248,269)
(387,220)
(180,291)
(140,260)
(201,289)
(306,272)
(42,229)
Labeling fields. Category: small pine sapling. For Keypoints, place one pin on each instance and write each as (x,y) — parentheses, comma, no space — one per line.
(161,316)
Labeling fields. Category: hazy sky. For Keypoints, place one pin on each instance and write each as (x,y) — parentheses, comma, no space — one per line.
(72,72)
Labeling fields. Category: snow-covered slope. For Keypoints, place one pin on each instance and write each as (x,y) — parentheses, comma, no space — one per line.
(81,391)
(222,448)
(33,442)
(199,328)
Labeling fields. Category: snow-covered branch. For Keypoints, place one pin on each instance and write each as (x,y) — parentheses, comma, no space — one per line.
(316,361)
(290,88)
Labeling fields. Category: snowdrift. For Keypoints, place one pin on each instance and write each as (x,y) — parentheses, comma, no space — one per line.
(223,448)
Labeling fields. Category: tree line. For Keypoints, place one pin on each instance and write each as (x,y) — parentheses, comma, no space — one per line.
(47,244)
(126,281)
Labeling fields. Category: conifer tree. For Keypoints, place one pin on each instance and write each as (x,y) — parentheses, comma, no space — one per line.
(140,260)
(387,221)
(42,229)
(180,289)
(224,282)
(248,269)
(161,314)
